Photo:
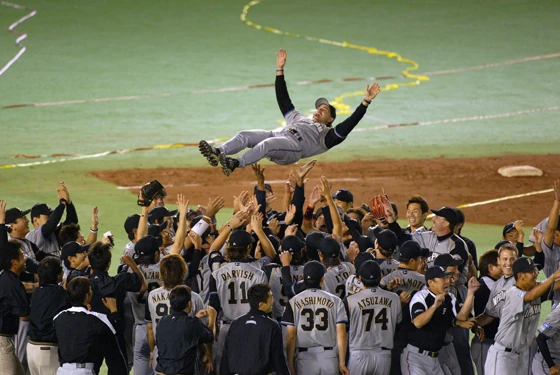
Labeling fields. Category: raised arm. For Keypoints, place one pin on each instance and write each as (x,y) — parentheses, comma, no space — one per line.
(282,96)
(335,216)
(339,133)
(473,286)
(183,205)
(553,217)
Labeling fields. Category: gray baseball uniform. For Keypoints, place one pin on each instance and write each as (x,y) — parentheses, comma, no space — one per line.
(280,300)
(48,245)
(387,266)
(551,260)
(518,322)
(498,296)
(374,314)
(550,328)
(335,278)
(412,281)
(315,315)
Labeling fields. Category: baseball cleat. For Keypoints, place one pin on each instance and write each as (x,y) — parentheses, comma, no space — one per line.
(209,153)
(228,164)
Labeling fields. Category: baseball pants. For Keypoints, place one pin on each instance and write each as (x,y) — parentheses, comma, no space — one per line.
(9,362)
(399,343)
(72,369)
(500,362)
(317,361)
(277,147)
(224,329)
(448,360)
(462,350)
(376,361)
(479,351)
(414,363)
(142,351)
(42,359)
(539,366)
(20,341)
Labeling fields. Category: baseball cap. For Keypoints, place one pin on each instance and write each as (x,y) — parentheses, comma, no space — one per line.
(501,243)
(352,224)
(436,272)
(412,249)
(446,260)
(313,271)
(448,213)
(292,244)
(131,223)
(370,270)
(343,195)
(523,264)
(329,247)
(508,228)
(321,101)
(15,213)
(240,238)
(266,187)
(147,245)
(72,248)
(387,240)
(364,242)
(158,213)
(156,229)
(40,209)
(360,259)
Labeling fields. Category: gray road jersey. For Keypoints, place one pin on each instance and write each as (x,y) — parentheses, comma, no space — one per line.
(316,314)
(312,133)
(429,240)
(519,321)
(138,300)
(498,296)
(335,278)
(48,245)
(387,266)
(233,281)
(551,263)
(412,281)
(353,285)
(129,249)
(373,314)
(26,247)
(158,304)
(551,328)
(280,300)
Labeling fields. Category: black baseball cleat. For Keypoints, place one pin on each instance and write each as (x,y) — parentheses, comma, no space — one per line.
(209,152)
(228,164)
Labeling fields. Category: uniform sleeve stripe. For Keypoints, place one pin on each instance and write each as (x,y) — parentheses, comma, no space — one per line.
(338,135)
(542,333)
(342,322)
(287,324)
(290,111)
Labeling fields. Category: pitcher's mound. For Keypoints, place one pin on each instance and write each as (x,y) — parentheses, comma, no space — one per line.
(520,171)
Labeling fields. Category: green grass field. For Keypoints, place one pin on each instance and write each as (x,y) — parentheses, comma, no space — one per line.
(166,52)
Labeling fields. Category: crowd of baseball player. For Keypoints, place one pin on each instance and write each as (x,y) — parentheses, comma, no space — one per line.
(323,285)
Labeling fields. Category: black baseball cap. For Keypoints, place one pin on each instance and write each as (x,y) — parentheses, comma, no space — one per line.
(292,244)
(523,264)
(508,228)
(131,223)
(147,245)
(329,247)
(15,213)
(72,248)
(343,195)
(313,240)
(360,259)
(313,271)
(387,240)
(156,229)
(446,260)
(321,101)
(158,213)
(240,238)
(412,249)
(436,272)
(352,224)
(364,242)
(266,187)
(370,270)
(40,209)
(448,213)
(501,243)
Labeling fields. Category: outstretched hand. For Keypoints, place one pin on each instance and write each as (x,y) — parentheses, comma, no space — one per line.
(372,91)
(281,56)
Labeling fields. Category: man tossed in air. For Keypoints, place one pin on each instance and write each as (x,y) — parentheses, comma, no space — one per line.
(301,138)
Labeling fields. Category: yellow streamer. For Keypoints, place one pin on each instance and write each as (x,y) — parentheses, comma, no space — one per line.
(338,102)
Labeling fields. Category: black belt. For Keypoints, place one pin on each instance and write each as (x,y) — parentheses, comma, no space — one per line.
(306,349)
(295,132)
(226,321)
(384,348)
(428,353)
(510,350)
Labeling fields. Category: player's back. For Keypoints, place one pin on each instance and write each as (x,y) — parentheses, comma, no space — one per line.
(373,315)
(335,278)
(315,316)
(412,281)
(387,266)
(233,281)
(497,297)
(138,300)
(280,299)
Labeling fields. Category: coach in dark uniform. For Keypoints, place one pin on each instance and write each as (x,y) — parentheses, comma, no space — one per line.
(178,336)
(254,343)
(14,305)
(83,335)
(47,301)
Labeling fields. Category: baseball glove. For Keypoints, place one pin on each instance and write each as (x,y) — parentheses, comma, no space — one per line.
(380,205)
(149,192)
